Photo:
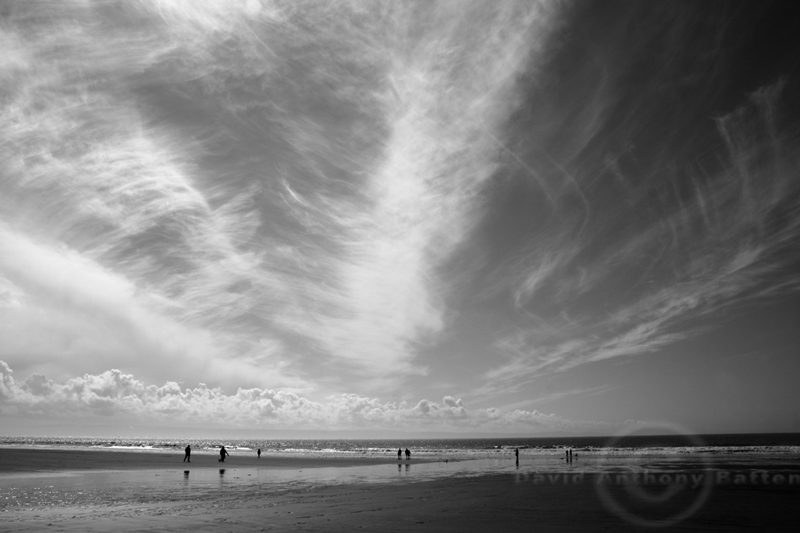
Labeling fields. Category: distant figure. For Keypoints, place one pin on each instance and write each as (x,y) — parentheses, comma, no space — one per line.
(259,453)
(408,454)
(570,456)
(399,454)
(516,454)
(222,453)
(188,456)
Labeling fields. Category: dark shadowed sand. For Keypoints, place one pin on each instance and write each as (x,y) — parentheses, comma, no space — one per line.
(79,491)
(32,460)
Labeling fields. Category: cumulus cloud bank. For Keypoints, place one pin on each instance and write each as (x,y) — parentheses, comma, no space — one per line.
(129,400)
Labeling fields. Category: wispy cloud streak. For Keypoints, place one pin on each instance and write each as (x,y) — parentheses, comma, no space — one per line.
(289,175)
(729,239)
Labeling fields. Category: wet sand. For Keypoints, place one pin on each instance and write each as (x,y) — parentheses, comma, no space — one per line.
(501,502)
(56,460)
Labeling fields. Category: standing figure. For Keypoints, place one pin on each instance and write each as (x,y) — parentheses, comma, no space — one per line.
(222,453)
(259,453)
(188,456)
(399,454)
(408,454)
(516,453)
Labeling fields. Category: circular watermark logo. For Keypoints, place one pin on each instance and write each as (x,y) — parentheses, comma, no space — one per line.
(660,498)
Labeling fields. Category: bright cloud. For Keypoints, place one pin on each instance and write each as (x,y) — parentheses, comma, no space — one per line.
(209,176)
(127,399)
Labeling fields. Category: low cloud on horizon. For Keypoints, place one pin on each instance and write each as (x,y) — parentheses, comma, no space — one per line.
(118,399)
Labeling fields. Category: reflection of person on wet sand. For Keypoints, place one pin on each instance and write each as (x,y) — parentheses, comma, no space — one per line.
(188,456)
(222,453)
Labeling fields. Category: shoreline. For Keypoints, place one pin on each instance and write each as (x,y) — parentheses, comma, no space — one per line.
(24,459)
(34,460)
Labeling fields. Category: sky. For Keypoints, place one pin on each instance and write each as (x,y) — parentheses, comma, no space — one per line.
(462,218)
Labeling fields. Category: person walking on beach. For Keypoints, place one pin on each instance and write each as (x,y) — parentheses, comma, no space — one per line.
(516,453)
(259,453)
(222,453)
(399,454)
(408,454)
(188,456)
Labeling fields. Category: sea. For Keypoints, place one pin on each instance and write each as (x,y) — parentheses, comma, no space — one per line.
(753,443)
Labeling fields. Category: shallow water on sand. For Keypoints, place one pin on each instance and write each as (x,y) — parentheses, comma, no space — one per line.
(108,488)
(44,490)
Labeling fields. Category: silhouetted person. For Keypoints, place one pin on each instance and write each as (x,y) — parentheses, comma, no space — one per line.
(516,454)
(408,454)
(222,453)
(188,456)
(399,454)
(259,453)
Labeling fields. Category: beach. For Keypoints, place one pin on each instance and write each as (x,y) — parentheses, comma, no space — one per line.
(60,460)
(87,490)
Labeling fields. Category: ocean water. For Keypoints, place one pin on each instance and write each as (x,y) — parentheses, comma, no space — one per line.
(477,447)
